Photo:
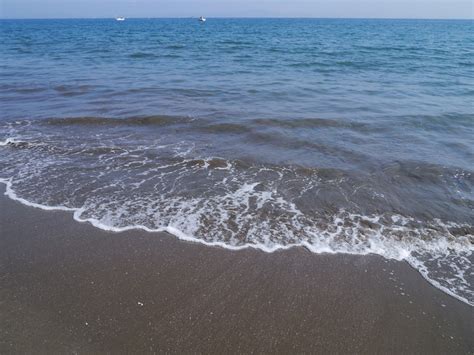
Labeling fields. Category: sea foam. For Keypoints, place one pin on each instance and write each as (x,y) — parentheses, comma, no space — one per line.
(118,181)
(323,242)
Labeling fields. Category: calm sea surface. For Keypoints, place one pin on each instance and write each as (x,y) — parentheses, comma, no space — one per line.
(342,136)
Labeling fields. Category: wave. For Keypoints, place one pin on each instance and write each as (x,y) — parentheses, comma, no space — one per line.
(312,123)
(391,236)
(13,142)
(102,121)
(140,55)
(158,180)
(210,124)
(452,122)
(453,236)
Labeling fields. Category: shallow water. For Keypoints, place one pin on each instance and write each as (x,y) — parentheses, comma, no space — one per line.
(350,136)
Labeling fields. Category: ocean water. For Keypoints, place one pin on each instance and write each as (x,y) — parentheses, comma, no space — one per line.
(340,136)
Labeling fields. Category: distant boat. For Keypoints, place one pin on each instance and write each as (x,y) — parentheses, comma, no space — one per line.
(120,18)
(202,19)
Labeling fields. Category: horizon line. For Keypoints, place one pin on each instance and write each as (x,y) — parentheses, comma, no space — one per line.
(243,17)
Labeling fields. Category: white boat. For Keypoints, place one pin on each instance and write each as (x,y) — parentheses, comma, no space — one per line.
(202,19)
(120,18)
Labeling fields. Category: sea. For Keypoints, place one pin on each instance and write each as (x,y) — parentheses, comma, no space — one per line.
(334,135)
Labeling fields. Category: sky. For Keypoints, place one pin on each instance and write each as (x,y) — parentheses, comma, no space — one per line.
(238,8)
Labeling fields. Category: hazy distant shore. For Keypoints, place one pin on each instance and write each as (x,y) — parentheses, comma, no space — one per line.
(68,287)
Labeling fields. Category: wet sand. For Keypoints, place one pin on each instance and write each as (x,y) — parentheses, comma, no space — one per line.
(69,287)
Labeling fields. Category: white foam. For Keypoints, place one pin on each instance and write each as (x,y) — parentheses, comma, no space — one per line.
(421,268)
(9,141)
(12,194)
(338,239)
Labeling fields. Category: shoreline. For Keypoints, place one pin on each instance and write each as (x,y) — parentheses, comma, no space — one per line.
(176,233)
(69,286)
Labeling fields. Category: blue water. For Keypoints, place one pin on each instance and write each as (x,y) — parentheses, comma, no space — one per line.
(341,136)
(300,68)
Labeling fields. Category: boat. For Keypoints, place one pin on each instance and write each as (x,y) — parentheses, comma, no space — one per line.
(202,19)
(120,18)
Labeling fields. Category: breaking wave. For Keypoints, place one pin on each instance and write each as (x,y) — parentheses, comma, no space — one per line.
(121,182)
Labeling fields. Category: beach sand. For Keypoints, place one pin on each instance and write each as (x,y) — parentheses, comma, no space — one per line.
(69,287)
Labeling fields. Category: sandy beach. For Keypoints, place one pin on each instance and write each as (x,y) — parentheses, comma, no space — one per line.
(69,287)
